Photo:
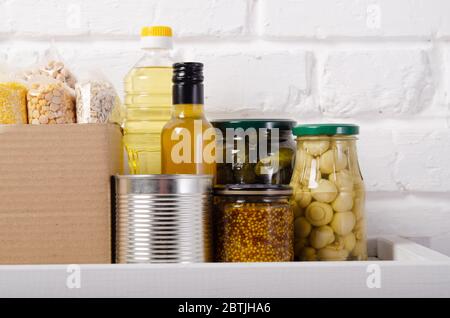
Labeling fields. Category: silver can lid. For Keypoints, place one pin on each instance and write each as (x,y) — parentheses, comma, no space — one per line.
(164,184)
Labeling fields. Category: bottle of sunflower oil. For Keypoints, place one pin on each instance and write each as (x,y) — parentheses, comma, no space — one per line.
(148,101)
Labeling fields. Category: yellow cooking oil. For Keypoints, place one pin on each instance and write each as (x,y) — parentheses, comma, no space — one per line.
(148,101)
(148,105)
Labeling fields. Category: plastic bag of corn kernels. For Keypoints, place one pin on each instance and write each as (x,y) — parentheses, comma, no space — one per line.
(50,101)
(96,99)
(51,65)
(13,98)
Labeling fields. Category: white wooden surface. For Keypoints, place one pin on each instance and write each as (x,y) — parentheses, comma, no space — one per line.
(413,271)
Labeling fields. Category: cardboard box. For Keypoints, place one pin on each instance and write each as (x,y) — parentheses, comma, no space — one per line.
(55,195)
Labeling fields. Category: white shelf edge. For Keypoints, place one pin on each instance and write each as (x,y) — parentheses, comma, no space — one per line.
(415,272)
(397,248)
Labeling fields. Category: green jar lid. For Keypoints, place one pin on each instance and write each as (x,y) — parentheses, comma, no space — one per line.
(326,130)
(282,124)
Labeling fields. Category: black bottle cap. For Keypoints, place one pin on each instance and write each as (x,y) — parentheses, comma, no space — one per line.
(188,73)
(188,83)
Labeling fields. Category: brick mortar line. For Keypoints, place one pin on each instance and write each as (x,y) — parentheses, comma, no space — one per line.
(228,39)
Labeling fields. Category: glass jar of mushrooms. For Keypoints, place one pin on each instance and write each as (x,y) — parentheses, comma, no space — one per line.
(329,194)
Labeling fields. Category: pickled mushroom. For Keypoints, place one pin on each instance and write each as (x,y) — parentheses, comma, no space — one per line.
(300,245)
(311,175)
(349,242)
(343,202)
(303,161)
(326,191)
(331,254)
(303,198)
(319,214)
(332,161)
(317,147)
(321,237)
(343,180)
(298,211)
(338,244)
(308,254)
(302,227)
(343,223)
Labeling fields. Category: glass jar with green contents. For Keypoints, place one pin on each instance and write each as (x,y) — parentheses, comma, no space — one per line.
(255,151)
(329,194)
(253,223)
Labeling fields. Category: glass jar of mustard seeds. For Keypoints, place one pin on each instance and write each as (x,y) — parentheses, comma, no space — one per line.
(329,194)
(253,223)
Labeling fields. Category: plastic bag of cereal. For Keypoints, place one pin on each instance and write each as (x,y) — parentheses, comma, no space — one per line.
(51,65)
(50,102)
(13,99)
(96,99)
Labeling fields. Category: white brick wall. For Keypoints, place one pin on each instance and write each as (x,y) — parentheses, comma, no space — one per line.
(264,86)
(390,82)
(356,18)
(384,64)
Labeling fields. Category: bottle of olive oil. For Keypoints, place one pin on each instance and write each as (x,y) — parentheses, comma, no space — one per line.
(188,139)
(148,101)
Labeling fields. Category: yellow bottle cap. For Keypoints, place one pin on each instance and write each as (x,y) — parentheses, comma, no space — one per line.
(156,31)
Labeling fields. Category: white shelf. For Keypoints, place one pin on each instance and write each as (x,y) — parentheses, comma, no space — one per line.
(407,270)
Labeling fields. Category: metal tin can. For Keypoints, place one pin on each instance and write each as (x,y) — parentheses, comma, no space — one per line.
(163,219)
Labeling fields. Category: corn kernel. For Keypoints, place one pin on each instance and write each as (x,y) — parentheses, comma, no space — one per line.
(13,103)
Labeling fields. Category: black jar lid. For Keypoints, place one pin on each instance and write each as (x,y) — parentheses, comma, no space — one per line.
(282,124)
(253,189)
